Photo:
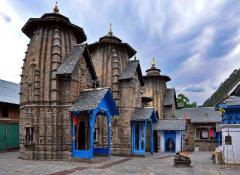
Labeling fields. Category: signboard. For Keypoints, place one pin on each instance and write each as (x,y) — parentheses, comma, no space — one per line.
(228,140)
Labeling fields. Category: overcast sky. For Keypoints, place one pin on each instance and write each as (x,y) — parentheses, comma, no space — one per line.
(196,43)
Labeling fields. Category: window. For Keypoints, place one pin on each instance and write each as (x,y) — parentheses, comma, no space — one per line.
(204,134)
(4,111)
(186,141)
(29,134)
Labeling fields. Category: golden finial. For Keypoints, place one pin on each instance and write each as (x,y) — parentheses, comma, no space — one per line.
(110,33)
(153,63)
(56,9)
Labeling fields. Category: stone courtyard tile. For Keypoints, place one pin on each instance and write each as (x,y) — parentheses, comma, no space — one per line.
(201,165)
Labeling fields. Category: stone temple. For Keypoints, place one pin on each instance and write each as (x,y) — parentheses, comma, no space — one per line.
(79,100)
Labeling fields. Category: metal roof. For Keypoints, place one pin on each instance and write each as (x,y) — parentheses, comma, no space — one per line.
(9,92)
(229,103)
(200,115)
(170,125)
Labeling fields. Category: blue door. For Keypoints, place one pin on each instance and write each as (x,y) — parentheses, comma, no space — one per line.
(138,137)
(170,141)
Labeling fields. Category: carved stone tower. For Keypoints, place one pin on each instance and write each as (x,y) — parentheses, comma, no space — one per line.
(110,57)
(155,87)
(43,120)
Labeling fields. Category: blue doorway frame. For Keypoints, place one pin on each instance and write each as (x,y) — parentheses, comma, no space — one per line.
(139,137)
(142,130)
(90,104)
(170,141)
(88,153)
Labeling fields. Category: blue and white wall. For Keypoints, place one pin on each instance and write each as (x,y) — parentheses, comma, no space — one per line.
(178,141)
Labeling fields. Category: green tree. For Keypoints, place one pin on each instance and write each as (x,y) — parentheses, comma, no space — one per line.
(181,98)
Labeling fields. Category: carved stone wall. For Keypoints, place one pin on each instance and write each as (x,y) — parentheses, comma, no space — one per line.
(169,111)
(109,61)
(130,93)
(110,57)
(155,88)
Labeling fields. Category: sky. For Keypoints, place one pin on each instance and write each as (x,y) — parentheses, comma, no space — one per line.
(196,43)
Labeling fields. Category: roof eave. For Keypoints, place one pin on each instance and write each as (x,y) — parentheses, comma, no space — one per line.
(33,23)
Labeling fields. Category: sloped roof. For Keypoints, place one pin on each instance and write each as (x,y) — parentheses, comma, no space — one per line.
(90,99)
(130,71)
(170,98)
(53,18)
(225,89)
(170,125)
(199,115)
(231,101)
(9,92)
(70,62)
(235,91)
(111,39)
(143,114)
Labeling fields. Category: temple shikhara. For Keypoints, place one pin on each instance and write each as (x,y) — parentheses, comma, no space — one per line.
(79,100)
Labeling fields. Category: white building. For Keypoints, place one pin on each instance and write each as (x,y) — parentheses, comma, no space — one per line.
(171,134)
(231,126)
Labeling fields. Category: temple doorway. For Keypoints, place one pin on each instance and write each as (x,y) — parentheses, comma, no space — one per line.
(101,133)
(170,141)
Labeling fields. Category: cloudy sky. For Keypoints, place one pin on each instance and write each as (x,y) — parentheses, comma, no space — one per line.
(196,43)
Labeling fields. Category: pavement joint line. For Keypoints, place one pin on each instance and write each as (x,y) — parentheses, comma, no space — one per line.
(108,165)
(163,157)
(79,168)
(65,172)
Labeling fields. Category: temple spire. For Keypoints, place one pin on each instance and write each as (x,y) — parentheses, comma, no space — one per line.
(110,33)
(56,9)
(153,63)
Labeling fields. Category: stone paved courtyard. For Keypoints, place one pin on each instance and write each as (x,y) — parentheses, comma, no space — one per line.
(159,164)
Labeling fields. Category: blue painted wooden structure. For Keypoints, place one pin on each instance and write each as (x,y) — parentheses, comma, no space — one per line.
(170,135)
(231,114)
(139,134)
(106,107)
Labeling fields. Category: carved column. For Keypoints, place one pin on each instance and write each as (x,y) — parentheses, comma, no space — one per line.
(115,76)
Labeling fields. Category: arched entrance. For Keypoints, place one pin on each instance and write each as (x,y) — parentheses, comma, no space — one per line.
(170,141)
(102,133)
(85,134)
(93,104)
